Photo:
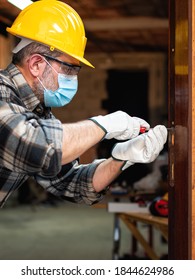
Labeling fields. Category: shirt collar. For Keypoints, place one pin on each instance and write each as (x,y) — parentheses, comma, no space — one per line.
(25,92)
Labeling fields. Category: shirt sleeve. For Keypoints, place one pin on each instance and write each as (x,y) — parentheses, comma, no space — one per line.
(29,144)
(74,183)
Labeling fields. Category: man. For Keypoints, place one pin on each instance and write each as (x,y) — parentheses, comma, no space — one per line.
(43,74)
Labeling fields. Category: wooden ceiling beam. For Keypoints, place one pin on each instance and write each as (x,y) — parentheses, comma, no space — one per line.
(125,23)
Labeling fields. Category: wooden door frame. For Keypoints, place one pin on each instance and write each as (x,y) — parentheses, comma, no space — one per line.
(192,112)
(181,139)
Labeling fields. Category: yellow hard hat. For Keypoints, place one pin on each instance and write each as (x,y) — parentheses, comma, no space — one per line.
(55,24)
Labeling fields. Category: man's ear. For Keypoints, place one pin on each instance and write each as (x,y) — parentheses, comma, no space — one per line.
(36,64)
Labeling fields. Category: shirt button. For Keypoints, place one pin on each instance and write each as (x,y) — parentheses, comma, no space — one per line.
(39,110)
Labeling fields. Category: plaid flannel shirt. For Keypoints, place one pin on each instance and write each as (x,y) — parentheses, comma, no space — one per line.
(31,146)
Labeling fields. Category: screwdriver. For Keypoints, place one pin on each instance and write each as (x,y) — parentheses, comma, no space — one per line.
(143,129)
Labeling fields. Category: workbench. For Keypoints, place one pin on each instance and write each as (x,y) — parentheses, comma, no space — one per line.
(131,219)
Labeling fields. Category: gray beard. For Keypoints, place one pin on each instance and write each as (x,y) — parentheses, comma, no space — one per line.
(48,82)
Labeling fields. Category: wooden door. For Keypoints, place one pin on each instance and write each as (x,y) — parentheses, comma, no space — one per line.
(192,122)
(182,138)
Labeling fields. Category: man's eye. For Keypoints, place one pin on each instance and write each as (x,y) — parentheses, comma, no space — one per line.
(67,70)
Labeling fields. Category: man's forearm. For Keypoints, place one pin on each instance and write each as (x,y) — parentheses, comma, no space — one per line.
(106,173)
(78,138)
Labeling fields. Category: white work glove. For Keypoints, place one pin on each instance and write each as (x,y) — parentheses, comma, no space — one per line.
(143,149)
(120,125)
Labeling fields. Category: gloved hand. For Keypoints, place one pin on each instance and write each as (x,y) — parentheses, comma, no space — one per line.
(143,149)
(120,125)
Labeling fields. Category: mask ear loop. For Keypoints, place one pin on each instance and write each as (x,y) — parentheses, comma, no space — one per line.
(71,77)
(50,65)
(52,69)
(41,83)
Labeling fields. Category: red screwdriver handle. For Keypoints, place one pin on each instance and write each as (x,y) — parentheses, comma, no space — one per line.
(142,129)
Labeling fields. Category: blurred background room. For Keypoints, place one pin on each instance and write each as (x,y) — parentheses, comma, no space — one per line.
(128,45)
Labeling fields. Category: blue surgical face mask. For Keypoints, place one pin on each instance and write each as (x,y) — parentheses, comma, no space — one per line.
(64,94)
(67,89)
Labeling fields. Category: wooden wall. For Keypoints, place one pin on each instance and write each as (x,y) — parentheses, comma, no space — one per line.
(6,44)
